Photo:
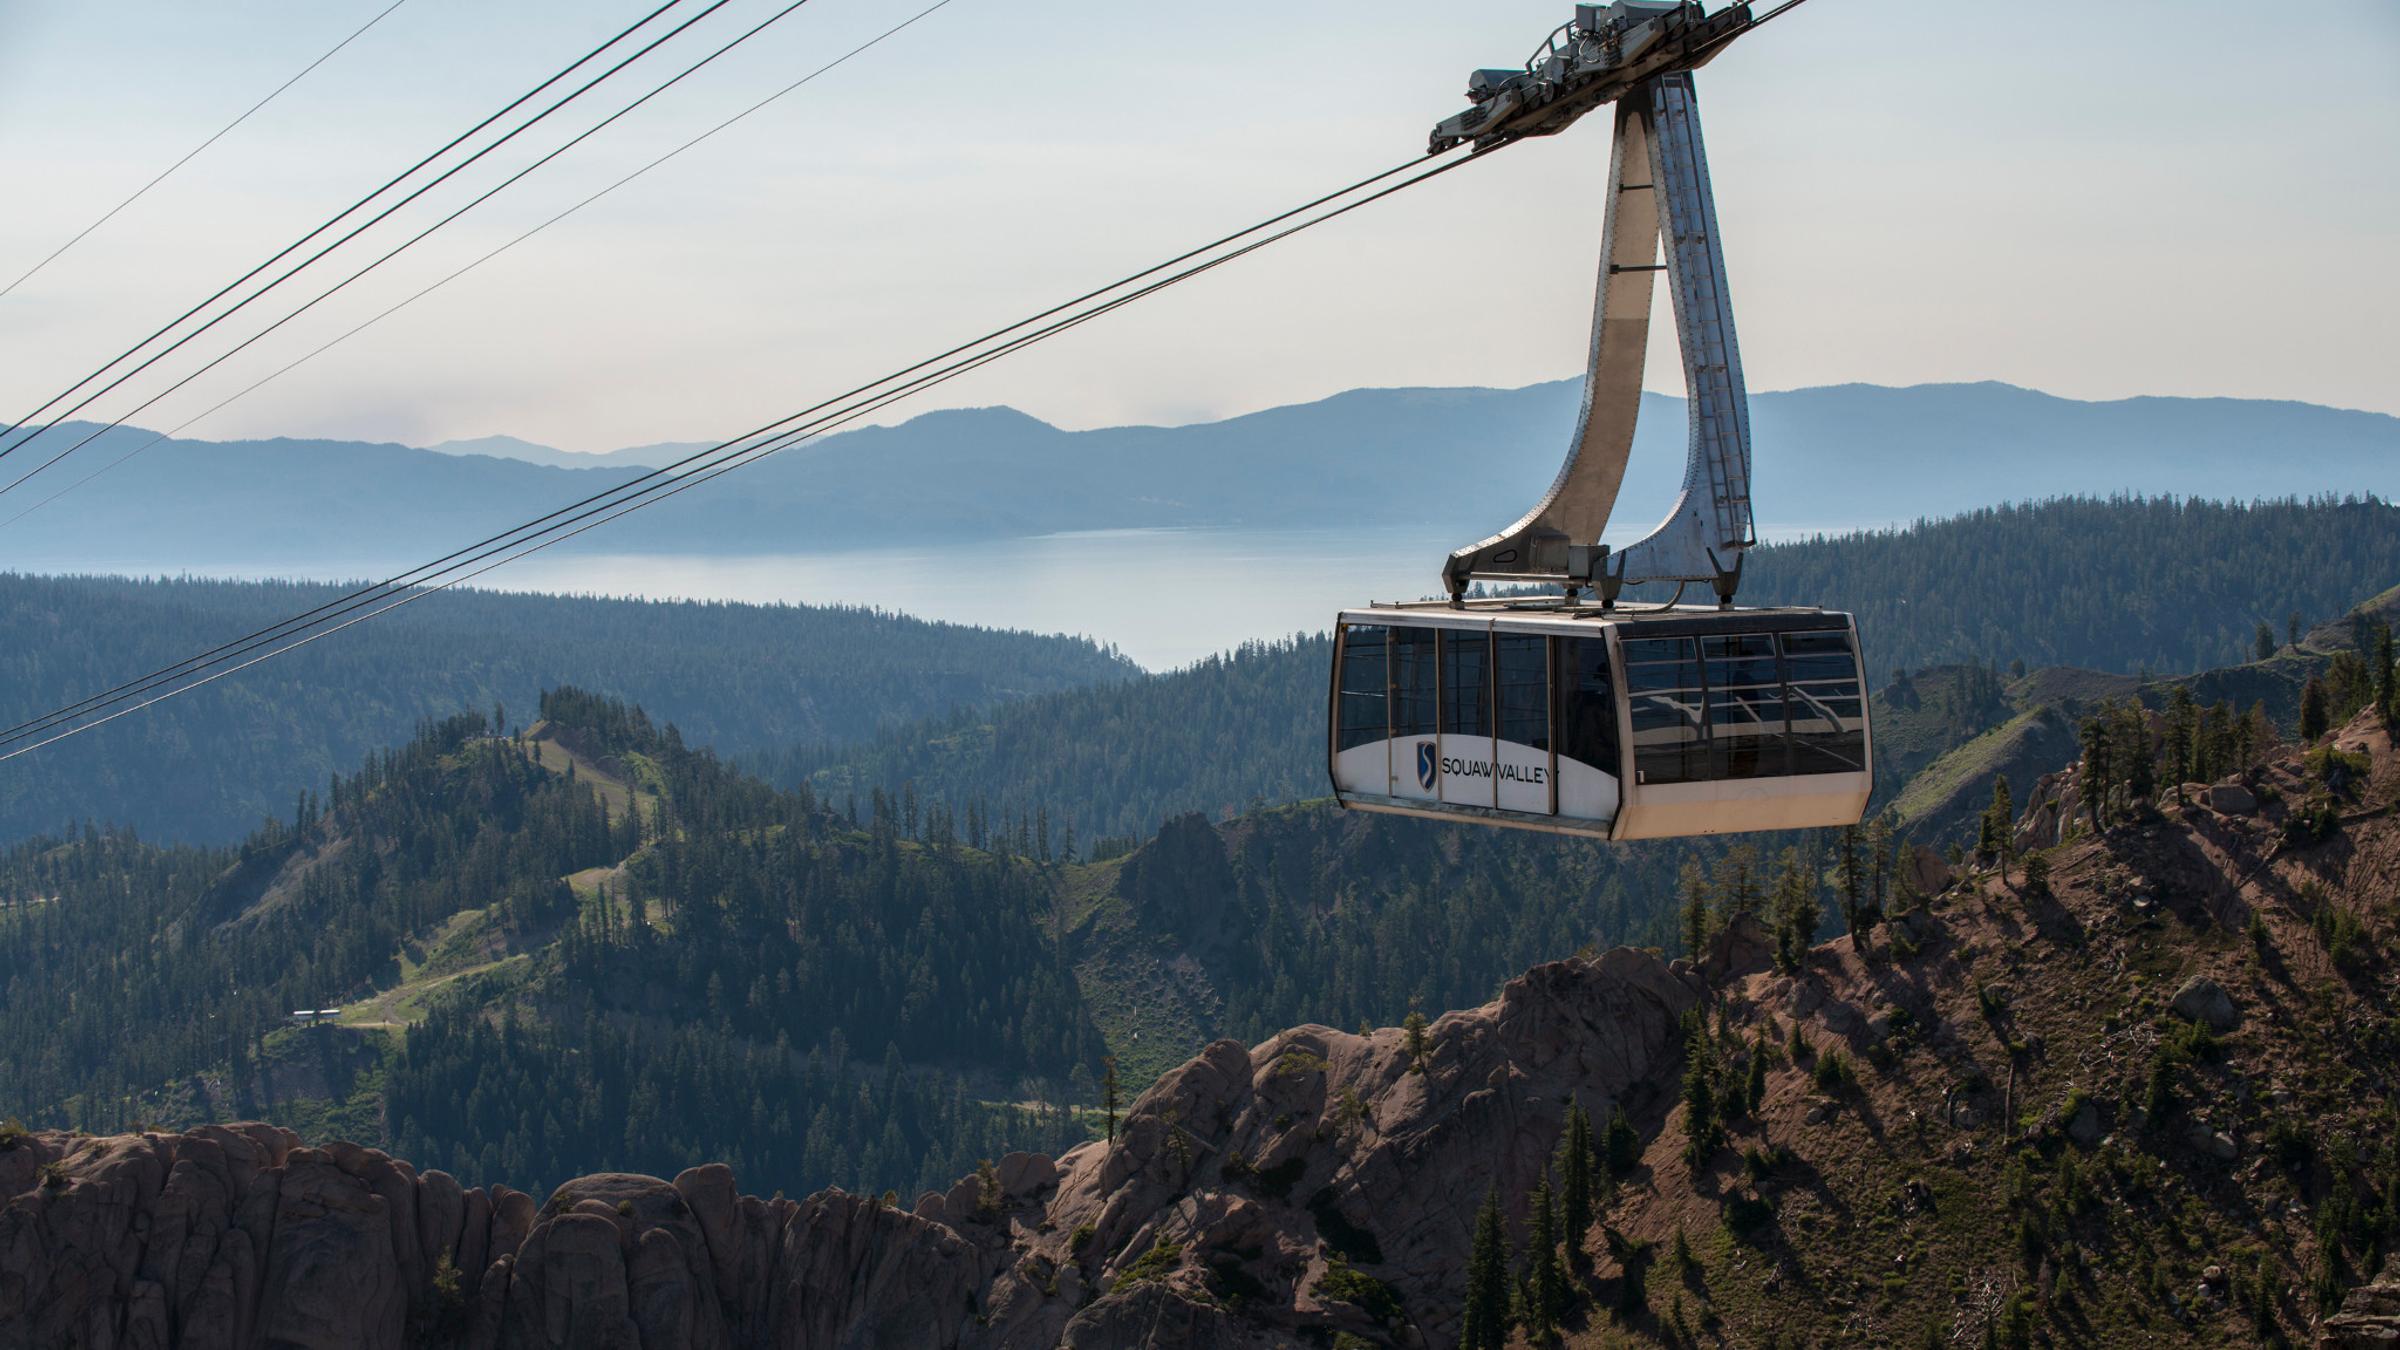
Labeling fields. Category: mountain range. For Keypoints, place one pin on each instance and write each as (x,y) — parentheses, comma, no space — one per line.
(1453,462)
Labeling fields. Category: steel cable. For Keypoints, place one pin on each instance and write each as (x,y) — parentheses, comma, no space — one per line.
(412,240)
(194,152)
(302,242)
(601,508)
(421,293)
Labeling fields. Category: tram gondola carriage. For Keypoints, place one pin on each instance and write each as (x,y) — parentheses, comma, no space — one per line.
(1622,724)
(1551,711)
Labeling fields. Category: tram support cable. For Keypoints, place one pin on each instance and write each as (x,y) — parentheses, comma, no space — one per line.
(194,152)
(452,569)
(414,239)
(339,216)
(419,294)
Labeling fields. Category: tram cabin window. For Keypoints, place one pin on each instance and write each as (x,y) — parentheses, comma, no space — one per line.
(1827,703)
(1364,694)
(1745,706)
(1665,697)
(1521,688)
(1725,706)
(1412,663)
(1466,683)
(1587,703)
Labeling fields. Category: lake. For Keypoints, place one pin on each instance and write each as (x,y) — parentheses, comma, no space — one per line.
(1164,598)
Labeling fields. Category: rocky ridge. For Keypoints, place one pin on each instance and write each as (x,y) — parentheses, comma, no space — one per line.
(1233,1189)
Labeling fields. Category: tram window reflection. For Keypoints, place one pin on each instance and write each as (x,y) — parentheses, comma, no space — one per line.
(1587,703)
(1363,692)
(1466,683)
(1412,664)
(1521,684)
(1827,703)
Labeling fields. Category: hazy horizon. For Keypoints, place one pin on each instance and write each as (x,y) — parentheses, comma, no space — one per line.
(1910,194)
(913,413)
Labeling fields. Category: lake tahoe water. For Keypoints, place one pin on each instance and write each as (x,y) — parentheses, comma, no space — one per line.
(1164,598)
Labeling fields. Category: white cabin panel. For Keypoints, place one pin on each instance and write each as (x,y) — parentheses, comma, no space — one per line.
(1364,768)
(1586,793)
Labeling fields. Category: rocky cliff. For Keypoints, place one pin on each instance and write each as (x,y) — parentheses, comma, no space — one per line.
(1232,1190)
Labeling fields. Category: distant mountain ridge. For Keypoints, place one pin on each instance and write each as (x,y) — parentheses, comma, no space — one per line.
(1451,462)
(525,451)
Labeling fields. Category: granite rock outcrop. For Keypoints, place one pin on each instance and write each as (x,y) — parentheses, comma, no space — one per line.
(1253,1171)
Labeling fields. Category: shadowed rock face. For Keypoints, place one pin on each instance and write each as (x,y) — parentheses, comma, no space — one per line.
(2370,1315)
(1244,1171)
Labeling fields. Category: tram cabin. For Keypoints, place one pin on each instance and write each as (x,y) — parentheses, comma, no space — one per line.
(1621,724)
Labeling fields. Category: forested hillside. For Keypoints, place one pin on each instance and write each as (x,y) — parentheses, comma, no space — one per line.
(1219,735)
(2123,585)
(591,946)
(674,961)
(2118,586)
(588,946)
(209,766)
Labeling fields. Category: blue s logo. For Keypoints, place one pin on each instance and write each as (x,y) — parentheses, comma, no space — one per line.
(1428,765)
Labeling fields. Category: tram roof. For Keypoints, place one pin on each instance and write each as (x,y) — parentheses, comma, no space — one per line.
(1557,617)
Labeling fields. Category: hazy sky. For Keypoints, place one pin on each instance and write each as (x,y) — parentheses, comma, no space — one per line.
(2096,200)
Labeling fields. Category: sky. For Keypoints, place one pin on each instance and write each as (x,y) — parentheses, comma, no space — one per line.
(2100,202)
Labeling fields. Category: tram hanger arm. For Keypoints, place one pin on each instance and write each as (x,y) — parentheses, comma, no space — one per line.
(1605,53)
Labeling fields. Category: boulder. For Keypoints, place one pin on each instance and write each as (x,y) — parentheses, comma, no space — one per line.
(2085,1127)
(2370,1315)
(1918,926)
(1931,874)
(2045,818)
(2232,799)
(441,1215)
(568,1290)
(1739,947)
(332,1278)
(2201,999)
(852,1272)
(1152,1316)
(2214,1143)
(1026,1175)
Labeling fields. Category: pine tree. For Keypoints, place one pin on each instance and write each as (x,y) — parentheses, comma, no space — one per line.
(1108,1091)
(2140,763)
(1798,912)
(1546,1278)
(1575,1182)
(1694,887)
(1738,889)
(2001,820)
(2387,677)
(1850,872)
(2314,714)
(1485,1323)
(2183,737)
(2098,772)
(1701,1131)
(2037,873)
(1880,862)
(1907,896)
(1621,1143)
(2264,644)
(1754,1085)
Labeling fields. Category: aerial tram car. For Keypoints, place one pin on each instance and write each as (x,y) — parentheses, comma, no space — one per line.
(1556,704)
